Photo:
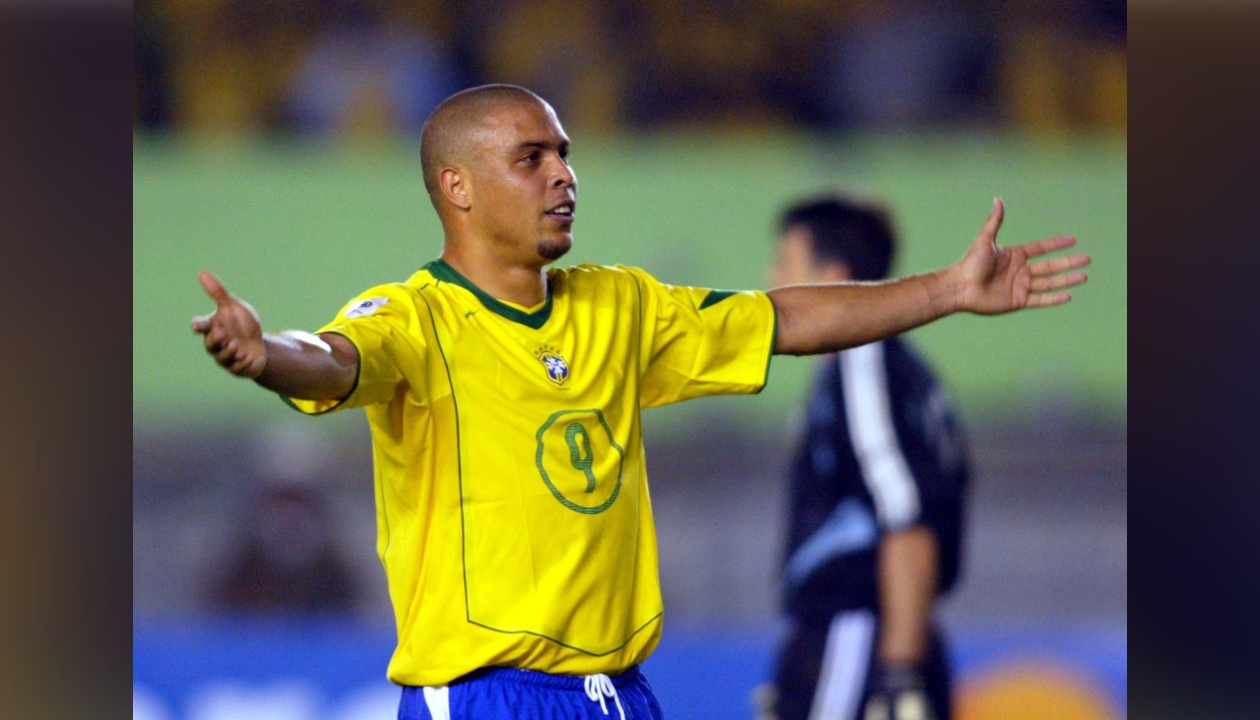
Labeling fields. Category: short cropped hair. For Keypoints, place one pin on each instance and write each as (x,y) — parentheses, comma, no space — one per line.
(860,235)
(444,138)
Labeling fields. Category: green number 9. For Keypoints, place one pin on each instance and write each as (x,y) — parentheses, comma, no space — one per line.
(582,456)
(572,434)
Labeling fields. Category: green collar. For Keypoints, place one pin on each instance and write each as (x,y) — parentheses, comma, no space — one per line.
(443,272)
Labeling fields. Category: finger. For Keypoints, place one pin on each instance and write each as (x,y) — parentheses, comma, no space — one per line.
(1048,299)
(214,288)
(239,365)
(224,356)
(1058,265)
(201,323)
(216,335)
(1057,282)
(1048,245)
(995,218)
(214,340)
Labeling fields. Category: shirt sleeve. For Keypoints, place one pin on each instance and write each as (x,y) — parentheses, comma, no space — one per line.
(936,451)
(699,342)
(902,435)
(382,324)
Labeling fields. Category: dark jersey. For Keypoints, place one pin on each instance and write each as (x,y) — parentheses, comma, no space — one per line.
(881,451)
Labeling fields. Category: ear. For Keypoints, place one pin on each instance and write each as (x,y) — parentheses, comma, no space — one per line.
(455,187)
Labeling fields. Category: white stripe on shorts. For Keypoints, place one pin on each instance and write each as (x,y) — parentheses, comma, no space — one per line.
(845,660)
(439,706)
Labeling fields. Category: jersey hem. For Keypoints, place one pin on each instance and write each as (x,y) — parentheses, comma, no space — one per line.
(591,653)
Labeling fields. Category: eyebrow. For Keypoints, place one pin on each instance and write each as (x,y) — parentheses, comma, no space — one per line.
(542,145)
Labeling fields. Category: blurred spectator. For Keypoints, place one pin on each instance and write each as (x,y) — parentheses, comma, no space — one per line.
(1065,65)
(355,67)
(370,70)
(562,51)
(151,61)
(228,57)
(698,62)
(908,62)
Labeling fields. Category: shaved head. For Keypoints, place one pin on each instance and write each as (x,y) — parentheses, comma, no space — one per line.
(447,138)
(495,163)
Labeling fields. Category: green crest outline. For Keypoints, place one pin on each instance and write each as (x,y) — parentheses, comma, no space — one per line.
(570,434)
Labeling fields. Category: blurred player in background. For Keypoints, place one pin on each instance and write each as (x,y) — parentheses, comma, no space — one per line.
(876,503)
(514,520)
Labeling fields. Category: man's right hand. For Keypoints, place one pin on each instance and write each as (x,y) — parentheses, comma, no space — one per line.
(232,332)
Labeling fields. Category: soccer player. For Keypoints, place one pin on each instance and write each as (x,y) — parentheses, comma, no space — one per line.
(877,485)
(515,523)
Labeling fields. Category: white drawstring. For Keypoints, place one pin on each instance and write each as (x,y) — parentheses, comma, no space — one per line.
(598,687)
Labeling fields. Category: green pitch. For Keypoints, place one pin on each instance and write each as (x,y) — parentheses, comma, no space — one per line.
(299,229)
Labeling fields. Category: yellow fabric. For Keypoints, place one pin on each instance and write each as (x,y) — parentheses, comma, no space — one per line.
(515,524)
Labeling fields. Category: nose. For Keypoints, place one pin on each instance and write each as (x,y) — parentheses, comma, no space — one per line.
(563,176)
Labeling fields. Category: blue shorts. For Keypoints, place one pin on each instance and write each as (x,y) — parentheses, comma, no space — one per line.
(507,694)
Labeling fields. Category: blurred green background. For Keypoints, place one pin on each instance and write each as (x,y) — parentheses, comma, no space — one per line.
(297,228)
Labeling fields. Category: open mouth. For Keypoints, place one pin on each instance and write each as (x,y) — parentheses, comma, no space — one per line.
(562,212)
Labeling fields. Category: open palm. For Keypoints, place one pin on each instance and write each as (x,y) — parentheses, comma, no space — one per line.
(999,279)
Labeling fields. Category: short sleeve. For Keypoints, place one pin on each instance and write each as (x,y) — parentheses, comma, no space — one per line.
(701,342)
(382,324)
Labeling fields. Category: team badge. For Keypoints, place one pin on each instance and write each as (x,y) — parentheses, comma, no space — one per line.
(557,367)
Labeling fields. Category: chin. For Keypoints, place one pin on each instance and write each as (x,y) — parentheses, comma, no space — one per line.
(551,249)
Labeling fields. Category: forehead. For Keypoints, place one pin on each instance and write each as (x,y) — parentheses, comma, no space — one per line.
(511,124)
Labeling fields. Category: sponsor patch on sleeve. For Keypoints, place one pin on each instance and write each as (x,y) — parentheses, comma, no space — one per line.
(363,308)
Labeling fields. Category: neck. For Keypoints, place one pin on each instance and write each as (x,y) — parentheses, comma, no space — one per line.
(500,278)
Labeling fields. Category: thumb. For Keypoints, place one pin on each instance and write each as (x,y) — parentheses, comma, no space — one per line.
(214,288)
(995,219)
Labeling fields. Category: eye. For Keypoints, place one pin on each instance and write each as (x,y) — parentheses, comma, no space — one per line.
(531,158)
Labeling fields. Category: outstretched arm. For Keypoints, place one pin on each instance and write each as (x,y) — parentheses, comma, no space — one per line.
(293,363)
(989,280)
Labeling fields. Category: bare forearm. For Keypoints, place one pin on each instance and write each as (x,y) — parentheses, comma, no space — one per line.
(907,587)
(815,319)
(309,367)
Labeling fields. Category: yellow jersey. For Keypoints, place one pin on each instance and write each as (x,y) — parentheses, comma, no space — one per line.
(514,520)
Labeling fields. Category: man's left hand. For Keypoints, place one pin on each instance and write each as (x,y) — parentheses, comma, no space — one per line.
(994,279)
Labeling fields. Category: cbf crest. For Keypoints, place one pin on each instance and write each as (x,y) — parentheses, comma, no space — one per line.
(557,367)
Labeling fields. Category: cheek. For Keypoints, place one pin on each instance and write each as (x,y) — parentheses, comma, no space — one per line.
(518,197)
(503,203)
(801,274)
(776,275)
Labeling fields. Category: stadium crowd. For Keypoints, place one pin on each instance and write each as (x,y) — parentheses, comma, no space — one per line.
(373,67)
